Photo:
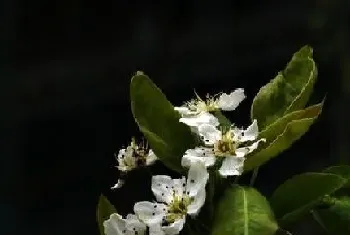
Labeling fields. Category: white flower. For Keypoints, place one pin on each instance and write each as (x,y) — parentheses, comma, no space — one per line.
(133,156)
(200,119)
(225,102)
(226,145)
(116,225)
(176,198)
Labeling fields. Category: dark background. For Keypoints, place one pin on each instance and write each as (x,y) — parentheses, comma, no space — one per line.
(65,73)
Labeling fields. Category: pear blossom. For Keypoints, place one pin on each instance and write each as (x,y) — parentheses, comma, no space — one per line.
(225,102)
(131,225)
(133,156)
(176,198)
(226,145)
(198,112)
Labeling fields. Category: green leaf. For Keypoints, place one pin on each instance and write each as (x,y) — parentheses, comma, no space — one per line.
(343,171)
(336,219)
(103,211)
(290,90)
(277,128)
(295,129)
(159,122)
(298,195)
(243,211)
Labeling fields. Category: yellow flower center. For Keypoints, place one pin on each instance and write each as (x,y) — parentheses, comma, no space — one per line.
(178,208)
(225,146)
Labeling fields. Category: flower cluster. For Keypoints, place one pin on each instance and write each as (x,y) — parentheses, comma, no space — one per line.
(178,198)
(229,145)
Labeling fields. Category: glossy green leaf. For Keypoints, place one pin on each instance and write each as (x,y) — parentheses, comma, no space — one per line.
(159,122)
(298,195)
(277,128)
(336,219)
(243,211)
(290,90)
(295,129)
(343,171)
(103,211)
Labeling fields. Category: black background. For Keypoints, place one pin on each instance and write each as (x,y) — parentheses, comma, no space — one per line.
(65,73)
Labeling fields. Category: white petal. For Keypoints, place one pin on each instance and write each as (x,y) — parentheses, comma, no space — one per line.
(197,179)
(162,188)
(149,212)
(176,227)
(126,160)
(200,119)
(197,203)
(184,111)
(179,186)
(204,155)
(241,152)
(156,229)
(229,102)
(133,224)
(255,145)
(151,158)
(251,133)
(210,134)
(115,225)
(232,166)
(119,184)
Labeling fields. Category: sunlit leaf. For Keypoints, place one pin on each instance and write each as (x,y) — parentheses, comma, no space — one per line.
(159,122)
(243,211)
(296,125)
(290,90)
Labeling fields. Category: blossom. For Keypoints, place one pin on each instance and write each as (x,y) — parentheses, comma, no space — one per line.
(133,156)
(116,225)
(176,198)
(199,119)
(225,102)
(198,112)
(231,145)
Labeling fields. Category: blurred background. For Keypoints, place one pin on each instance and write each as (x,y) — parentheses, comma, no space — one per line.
(65,73)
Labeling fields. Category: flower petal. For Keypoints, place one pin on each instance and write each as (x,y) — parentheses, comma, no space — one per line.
(241,152)
(179,186)
(176,227)
(255,145)
(151,158)
(156,229)
(162,188)
(197,203)
(229,102)
(115,225)
(119,184)
(184,111)
(201,118)
(232,166)
(204,155)
(133,224)
(209,133)
(197,179)
(149,212)
(251,133)
(126,160)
